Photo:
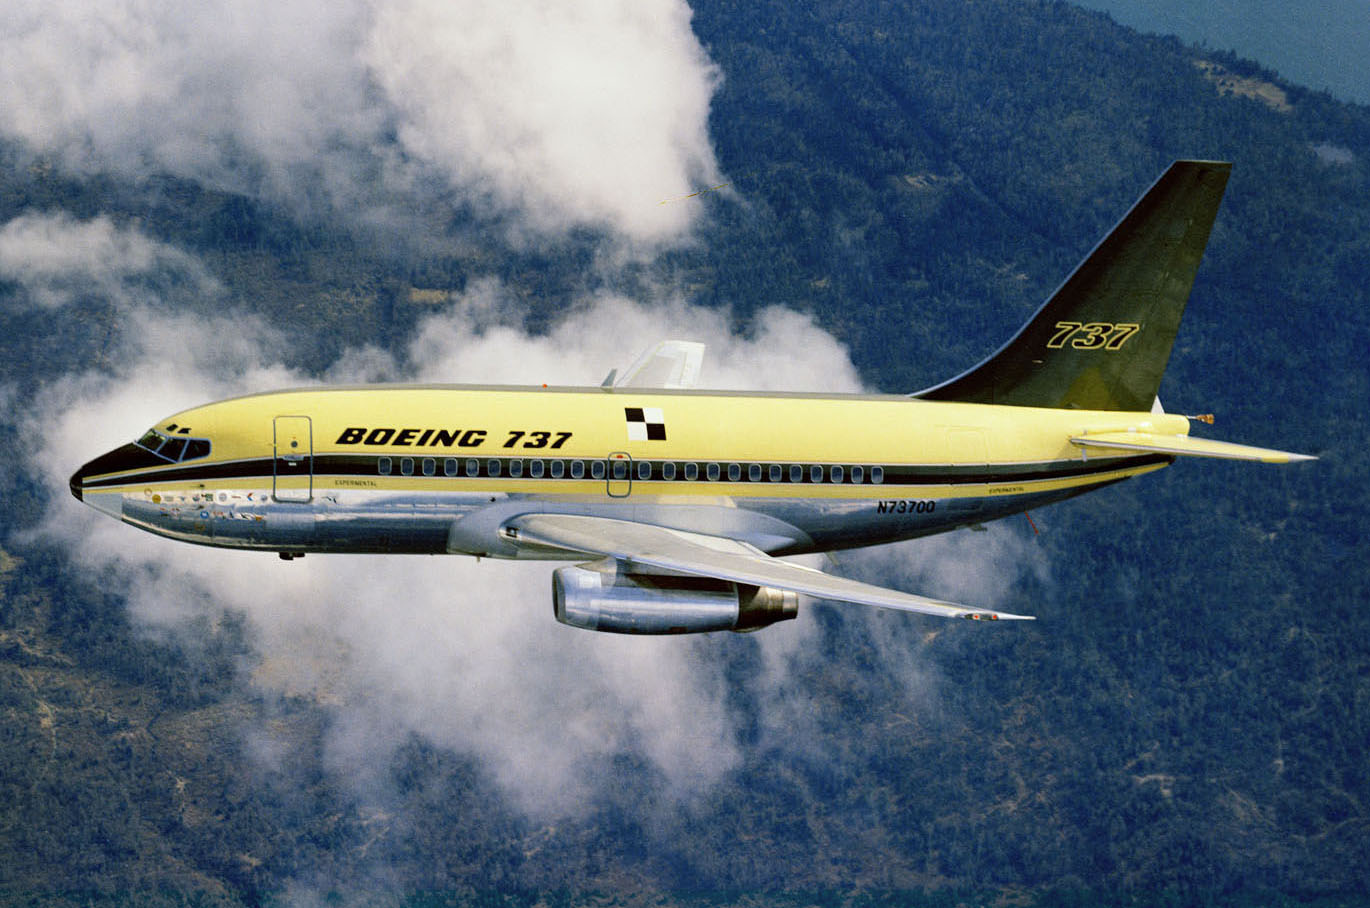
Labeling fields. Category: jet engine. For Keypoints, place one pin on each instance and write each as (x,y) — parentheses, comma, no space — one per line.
(620,603)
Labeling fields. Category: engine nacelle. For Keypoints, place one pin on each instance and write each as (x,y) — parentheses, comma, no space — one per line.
(618,603)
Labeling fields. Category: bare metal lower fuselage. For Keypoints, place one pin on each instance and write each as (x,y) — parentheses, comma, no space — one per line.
(361,521)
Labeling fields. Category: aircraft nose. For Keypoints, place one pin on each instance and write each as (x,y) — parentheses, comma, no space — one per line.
(87,484)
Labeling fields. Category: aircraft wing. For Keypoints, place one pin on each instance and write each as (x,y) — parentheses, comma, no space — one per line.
(670,364)
(642,545)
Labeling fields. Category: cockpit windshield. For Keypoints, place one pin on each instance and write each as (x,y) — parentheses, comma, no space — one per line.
(174,448)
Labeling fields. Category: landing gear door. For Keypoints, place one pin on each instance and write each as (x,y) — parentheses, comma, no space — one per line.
(293,474)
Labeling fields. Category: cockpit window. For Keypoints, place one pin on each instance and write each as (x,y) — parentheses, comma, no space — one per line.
(174,448)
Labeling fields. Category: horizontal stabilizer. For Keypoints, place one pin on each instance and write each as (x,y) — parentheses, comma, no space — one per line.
(1185,445)
(642,545)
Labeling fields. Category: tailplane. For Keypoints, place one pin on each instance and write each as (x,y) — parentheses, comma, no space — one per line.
(1101,342)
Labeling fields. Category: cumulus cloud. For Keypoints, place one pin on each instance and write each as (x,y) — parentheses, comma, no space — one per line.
(57,259)
(553,115)
(574,113)
(937,565)
(481,338)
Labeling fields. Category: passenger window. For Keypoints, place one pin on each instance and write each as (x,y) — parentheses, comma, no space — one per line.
(515,468)
(407,466)
(196,448)
(558,469)
(644,470)
(796,473)
(577,469)
(691,471)
(535,468)
(712,472)
(815,473)
(430,466)
(449,467)
(877,475)
(383,466)
(596,469)
(492,467)
(836,473)
(734,472)
(668,471)
(472,467)
(775,472)
(857,475)
(619,469)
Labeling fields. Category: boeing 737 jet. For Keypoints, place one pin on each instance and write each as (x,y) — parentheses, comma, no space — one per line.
(676,502)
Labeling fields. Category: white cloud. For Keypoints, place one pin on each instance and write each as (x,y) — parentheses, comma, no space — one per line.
(937,565)
(555,115)
(480,338)
(572,113)
(236,93)
(56,258)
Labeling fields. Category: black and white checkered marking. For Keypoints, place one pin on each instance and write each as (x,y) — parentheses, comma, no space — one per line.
(645,423)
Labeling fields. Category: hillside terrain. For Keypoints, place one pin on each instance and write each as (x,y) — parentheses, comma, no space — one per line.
(1186,723)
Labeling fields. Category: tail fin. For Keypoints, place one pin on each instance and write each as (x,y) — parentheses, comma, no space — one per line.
(1102,340)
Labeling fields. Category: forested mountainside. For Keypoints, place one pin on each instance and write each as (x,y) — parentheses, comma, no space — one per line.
(1186,722)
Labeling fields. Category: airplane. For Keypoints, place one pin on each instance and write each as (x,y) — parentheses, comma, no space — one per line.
(677,503)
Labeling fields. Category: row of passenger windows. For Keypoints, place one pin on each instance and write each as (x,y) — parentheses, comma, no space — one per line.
(619,470)
(173,447)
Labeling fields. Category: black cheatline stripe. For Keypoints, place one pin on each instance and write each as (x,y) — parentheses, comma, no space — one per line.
(1017,473)
(366,465)
(232,470)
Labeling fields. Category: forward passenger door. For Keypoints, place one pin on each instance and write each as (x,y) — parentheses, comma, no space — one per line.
(293,461)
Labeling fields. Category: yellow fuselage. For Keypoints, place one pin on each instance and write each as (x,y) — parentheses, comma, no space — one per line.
(343,469)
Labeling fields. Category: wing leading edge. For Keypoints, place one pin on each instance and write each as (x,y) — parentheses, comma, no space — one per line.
(641,545)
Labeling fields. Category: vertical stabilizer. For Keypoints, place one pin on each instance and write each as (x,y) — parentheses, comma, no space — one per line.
(1101,342)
